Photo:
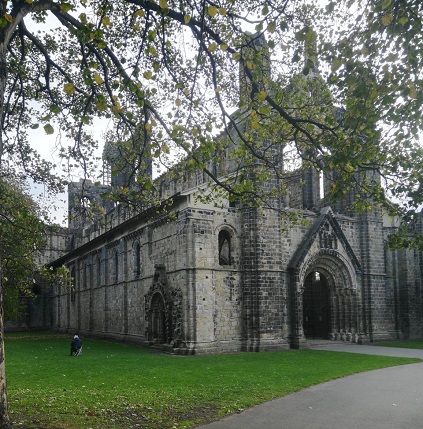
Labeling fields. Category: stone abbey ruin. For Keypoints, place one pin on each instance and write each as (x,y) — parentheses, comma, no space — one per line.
(205,278)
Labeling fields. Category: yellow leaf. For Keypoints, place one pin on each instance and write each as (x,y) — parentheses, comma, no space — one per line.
(178,102)
(264,110)
(106,21)
(212,10)
(223,47)
(413,92)
(262,95)
(148,74)
(165,148)
(98,79)
(29,1)
(117,108)
(222,11)
(403,20)
(387,19)
(140,13)
(163,4)
(212,47)
(101,105)
(152,51)
(8,17)
(69,88)
(236,56)
(187,19)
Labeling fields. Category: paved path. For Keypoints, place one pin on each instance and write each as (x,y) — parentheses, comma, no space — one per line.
(390,398)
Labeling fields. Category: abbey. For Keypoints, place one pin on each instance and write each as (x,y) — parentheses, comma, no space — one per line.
(201,277)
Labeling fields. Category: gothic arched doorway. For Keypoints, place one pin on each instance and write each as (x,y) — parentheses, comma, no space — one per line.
(316,307)
(158,332)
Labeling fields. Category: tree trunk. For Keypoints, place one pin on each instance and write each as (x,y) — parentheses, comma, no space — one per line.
(4,415)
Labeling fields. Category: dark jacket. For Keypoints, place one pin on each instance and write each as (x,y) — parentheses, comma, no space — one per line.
(76,343)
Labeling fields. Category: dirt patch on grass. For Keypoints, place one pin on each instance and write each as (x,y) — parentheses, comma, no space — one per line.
(133,417)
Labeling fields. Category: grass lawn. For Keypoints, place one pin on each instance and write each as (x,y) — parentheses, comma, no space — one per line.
(408,344)
(120,386)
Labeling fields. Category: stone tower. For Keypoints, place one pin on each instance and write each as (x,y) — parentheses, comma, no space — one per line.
(87,202)
(254,67)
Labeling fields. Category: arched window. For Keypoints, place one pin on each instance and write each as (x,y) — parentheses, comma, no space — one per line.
(73,282)
(115,266)
(98,271)
(158,332)
(84,275)
(224,248)
(137,259)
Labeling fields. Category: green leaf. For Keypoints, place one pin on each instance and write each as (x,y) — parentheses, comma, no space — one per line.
(48,129)
(271,27)
(54,108)
(66,7)
(386,4)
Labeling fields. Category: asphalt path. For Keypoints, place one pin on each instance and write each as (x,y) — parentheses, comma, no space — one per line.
(389,398)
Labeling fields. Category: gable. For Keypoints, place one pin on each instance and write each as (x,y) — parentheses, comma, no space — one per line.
(327,234)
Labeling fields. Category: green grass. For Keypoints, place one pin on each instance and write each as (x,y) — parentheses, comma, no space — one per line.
(120,386)
(409,344)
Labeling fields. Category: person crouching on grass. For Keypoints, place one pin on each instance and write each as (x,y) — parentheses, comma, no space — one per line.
(76,345)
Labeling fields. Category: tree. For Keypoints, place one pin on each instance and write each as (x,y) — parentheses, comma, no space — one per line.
(22,237)
(343,92)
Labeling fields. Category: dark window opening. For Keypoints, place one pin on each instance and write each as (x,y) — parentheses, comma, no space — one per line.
(158,320)
(72,288)
(224,248)
(137,257)
(116,265)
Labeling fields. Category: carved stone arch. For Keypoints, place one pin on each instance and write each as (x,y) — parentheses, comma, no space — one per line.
(339,269)
(163,311)
(338,297)
(226,242)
